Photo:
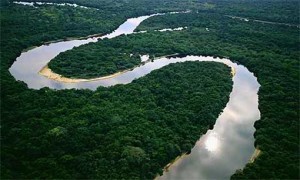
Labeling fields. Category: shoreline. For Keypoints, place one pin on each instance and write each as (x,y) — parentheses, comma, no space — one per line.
(73,38)
(233,71)
(255,155)
(48,73)
(172,163)
(46,43)
(176,160)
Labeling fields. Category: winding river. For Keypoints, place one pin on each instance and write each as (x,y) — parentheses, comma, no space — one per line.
(218,153)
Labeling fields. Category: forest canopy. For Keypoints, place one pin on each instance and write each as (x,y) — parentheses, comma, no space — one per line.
(53,134)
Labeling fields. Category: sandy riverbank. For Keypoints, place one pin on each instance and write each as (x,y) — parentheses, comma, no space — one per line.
(233,71)
(256,153)
(173,163)
(47,72)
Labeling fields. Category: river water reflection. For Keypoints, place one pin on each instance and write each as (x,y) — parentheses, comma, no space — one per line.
(218,153)
(229,145)
(29,63)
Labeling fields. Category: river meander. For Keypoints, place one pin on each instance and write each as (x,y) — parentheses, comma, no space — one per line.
(218,153)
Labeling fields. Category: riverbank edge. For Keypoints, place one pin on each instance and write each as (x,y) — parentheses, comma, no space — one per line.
(172,163)
(48,73)
(257,152)
(46,43)
(98,35)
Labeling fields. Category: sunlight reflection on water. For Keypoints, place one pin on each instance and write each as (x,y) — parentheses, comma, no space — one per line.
(218,153)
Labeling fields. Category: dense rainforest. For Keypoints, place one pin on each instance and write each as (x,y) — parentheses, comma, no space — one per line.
(126,131)
(272,53)
(206,34)
(53,134)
